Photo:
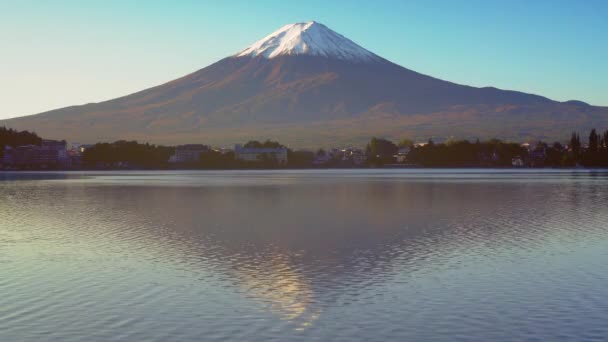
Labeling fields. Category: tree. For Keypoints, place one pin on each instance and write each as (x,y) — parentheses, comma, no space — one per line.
(132,152)
(554,155)
(11,137)
(267,161)
(217,160)
(461,153)
(299,159)
(381,147)
(593,141)
(266,144)
(405,142)
(380,151)
(575,143)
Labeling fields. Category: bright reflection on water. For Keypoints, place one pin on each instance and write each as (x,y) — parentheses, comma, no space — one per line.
(304,255)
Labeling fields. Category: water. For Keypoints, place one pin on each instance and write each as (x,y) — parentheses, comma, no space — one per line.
(433,255)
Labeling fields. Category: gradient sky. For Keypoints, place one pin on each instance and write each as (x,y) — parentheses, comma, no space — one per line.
(59,53)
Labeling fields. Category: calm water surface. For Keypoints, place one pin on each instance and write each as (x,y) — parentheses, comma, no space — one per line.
(416,255)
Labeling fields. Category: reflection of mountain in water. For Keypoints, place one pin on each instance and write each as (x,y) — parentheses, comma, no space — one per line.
(299,247)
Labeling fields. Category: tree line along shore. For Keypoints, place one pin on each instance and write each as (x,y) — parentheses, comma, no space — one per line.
(23,150)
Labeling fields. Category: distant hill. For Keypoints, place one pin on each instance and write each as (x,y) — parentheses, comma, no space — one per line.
(307,86)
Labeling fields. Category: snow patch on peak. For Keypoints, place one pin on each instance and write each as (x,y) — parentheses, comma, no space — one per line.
(310,38)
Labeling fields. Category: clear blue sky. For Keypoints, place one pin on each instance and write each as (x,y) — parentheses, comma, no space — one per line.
(60,53)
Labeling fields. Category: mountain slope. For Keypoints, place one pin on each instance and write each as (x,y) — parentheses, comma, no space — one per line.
(309,86)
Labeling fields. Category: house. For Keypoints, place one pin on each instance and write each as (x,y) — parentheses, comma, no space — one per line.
(401,155)
(351,156)
(50,154)
(538,157)
(537,153)
(53,152)
(322,157)
(517,162)
(19,156)
(252,154)
(84,147)
(188,153)
(358,157)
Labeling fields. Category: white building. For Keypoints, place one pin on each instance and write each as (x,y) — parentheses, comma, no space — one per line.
(188,153)
(517,162)
(354,155)
(402,154)
(258,154)
(50,153)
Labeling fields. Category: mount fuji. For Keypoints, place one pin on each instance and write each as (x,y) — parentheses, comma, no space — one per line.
(308,86)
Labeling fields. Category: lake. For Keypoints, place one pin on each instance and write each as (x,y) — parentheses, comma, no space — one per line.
(335,255)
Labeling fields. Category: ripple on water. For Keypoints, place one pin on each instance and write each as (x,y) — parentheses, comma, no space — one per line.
(325,255)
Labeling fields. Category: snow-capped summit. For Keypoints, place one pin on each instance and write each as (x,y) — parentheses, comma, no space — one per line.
(311,38)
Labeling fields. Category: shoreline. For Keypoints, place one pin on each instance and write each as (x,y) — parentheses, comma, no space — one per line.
(316,169)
